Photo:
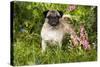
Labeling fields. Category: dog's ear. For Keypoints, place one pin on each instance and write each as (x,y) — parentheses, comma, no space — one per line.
(61,13)
(45,13)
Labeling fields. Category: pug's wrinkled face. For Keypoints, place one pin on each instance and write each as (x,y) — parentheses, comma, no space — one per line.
(53,17)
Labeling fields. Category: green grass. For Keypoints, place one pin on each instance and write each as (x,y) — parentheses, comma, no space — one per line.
(28,52)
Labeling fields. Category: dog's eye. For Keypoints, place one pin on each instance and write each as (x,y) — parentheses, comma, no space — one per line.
(59,16)
(53,17)
(48,17)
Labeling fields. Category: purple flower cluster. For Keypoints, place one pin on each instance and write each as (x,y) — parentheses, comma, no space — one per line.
(84,38)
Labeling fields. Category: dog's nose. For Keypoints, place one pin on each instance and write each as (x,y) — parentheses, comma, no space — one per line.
(53,24)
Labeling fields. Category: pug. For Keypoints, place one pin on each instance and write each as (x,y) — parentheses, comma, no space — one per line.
(54,28)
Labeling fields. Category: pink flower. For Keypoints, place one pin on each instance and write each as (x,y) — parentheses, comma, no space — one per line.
(85,44)
(71,7)
(84,38)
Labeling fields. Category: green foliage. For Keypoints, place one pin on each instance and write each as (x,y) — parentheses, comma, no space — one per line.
(28,20)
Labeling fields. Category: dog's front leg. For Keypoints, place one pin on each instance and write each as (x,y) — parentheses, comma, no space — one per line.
(60,44)
(43,46)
